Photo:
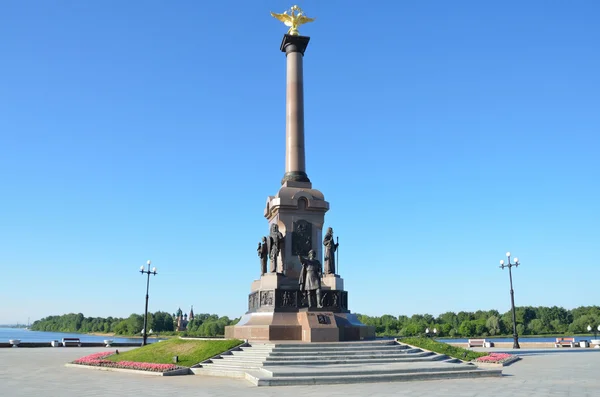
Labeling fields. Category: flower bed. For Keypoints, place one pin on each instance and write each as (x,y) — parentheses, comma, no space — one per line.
(97,360)
(497,358)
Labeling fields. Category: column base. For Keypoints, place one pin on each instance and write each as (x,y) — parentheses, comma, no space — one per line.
(295,176)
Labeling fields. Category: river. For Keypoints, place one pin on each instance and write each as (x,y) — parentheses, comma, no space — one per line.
(42,336)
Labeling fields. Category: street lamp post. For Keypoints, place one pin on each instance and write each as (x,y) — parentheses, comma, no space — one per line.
(512,297)
(428,332)
(148,272)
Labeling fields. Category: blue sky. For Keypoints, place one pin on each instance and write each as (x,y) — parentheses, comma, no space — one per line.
(442,133)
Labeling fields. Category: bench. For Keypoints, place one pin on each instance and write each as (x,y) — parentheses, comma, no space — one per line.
(477,343)
(71,342)
(562,342)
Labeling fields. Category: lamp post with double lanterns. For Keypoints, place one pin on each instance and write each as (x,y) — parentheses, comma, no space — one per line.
(148,272)
(512,297)
(428,334)
(589,328)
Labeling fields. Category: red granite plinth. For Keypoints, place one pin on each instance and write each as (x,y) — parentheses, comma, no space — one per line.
(305,326)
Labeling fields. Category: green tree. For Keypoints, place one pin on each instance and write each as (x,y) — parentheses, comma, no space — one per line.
(162,322)
(493,325)
(464,316)
(525,315)
(536,326)
(135,323)
(449,318)
(121,328)
(467,328)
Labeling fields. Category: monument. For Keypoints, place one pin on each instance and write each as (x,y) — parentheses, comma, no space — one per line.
(293,299)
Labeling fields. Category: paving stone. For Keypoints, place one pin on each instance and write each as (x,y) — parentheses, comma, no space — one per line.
(41,372)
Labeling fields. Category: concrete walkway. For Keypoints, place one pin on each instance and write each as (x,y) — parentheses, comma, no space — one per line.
(41,372)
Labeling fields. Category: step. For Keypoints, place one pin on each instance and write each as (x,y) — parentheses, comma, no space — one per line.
(318,357)
(246,354)
(262,357)
(342,348)
(225,361)
(223,372)
(217,367)
(258,346)
(343,352)
(308,360)
(253,349)
(357,361)
(256,379)
(334,344)
(381,369)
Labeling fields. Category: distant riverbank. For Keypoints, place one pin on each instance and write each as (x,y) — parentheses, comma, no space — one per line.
(44,336)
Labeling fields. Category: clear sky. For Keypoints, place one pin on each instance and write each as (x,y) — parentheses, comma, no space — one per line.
(442,133)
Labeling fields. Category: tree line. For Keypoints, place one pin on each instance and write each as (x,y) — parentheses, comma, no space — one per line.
(530,320)
(203,324)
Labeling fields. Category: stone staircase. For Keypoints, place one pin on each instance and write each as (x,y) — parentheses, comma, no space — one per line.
(279,364)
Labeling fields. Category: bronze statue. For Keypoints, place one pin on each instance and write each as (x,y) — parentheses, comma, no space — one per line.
(276,247)
(294,19)
(310,279)
(287,299)
(263,255)
(330,248)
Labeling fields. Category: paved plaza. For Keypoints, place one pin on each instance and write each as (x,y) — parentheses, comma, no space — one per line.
(41,372)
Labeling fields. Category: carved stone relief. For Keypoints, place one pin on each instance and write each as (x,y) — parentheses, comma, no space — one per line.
(333,300)
(266,298)
(301,238)
(253,301)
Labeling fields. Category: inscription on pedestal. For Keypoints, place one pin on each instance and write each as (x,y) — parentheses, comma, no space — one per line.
(322,319)
(301,238)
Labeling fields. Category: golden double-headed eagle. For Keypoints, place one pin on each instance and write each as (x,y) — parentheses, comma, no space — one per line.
(294,19)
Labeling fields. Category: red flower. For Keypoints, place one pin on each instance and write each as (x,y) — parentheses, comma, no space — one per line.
(97,359)
(495,358)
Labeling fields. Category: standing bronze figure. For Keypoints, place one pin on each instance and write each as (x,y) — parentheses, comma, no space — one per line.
(310,279)
(263,251)
(276,246)
(330,248)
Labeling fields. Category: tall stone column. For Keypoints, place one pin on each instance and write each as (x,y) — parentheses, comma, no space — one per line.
(277,308)
(295,167)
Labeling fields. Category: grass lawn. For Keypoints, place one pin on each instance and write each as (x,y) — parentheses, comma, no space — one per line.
(190,352)
(443,348)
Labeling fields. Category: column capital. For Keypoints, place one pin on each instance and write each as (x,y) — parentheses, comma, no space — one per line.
(294,44)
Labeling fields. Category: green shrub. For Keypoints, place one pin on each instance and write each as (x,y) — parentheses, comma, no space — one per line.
(443,348)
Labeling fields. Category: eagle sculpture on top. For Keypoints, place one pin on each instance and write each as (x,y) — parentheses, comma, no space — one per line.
(294,19)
